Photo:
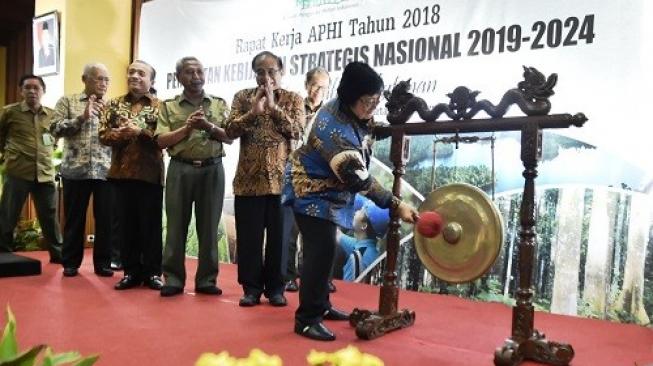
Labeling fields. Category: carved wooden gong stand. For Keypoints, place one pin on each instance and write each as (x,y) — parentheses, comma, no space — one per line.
(531,96)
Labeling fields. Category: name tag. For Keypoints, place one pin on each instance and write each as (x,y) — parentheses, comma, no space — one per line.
(48,140)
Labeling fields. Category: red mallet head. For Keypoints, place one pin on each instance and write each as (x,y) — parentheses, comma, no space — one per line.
(430,224)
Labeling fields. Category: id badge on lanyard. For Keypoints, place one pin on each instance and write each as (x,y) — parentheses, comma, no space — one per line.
(47,138)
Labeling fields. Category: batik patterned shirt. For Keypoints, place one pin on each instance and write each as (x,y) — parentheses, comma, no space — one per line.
(140,157)
(310,116)
(323,176)
(264,140)
(84,156)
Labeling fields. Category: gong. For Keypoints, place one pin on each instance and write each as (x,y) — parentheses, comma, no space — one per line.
(471,235)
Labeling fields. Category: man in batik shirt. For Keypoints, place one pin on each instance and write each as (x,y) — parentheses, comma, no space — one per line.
(266,119)
(84,171)
(128,125)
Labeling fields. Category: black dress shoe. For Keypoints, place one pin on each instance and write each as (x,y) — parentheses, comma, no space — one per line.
(316,331)
(208,290)
(103,272)
(278,300)
(70,272)
(153,282)
(127,282)
(332,287)
(335,314)
(249,300)
(291,286)
(168,291)
(116,266)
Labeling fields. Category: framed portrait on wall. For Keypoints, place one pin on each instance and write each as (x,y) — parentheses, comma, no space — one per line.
(45,41)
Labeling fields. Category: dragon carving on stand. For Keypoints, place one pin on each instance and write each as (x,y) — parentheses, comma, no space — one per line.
(531,96)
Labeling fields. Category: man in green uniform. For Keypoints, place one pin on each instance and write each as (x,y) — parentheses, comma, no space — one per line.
(189,126)
(26,146)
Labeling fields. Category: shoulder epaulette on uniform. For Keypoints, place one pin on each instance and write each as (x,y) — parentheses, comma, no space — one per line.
(10,105)
(217,98)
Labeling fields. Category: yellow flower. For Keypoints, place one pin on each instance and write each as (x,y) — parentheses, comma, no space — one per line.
(256,358)
(316,358)
(349,356)
(260,358)
(211,359)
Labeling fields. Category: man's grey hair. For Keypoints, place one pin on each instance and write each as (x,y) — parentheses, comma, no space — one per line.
(92,66)
(316,70)
(180,64)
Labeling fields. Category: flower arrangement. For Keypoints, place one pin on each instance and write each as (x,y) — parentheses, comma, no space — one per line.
(349,356)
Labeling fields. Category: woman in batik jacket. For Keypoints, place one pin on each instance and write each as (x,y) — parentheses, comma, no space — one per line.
(322,178)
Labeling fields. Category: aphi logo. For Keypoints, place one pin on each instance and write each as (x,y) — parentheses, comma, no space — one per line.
(306,4)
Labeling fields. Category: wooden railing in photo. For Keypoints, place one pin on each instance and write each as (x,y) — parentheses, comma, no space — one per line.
(532,97)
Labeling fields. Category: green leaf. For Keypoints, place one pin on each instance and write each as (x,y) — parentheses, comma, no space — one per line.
(8,344)
(26,358)
(55,359)
(47,358)
(9,350)
(64,358)
(87,361)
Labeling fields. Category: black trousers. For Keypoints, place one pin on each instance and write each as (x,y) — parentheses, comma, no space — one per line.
(291,256)
(290,238)
(141,205)
(14,194)
(256,217)
(319,250)
(117,240)
(76,195)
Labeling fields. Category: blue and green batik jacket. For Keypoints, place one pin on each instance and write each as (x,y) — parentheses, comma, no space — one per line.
(323,176)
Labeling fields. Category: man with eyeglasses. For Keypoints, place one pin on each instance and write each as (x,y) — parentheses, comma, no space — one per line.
(266,119)
(84,170)
(26,148)
(189,126)
(317,85)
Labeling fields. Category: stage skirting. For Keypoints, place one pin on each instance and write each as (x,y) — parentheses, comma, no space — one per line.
(138,327)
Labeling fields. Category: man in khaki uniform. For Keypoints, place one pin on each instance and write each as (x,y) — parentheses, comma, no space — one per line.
(26,146)
(189,127)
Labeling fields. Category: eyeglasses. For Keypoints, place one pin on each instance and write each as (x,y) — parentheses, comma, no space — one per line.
(32,87)
(314,87)
(370,102)
(263,72)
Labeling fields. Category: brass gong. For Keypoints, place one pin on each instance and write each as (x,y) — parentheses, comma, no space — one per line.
(471,236)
